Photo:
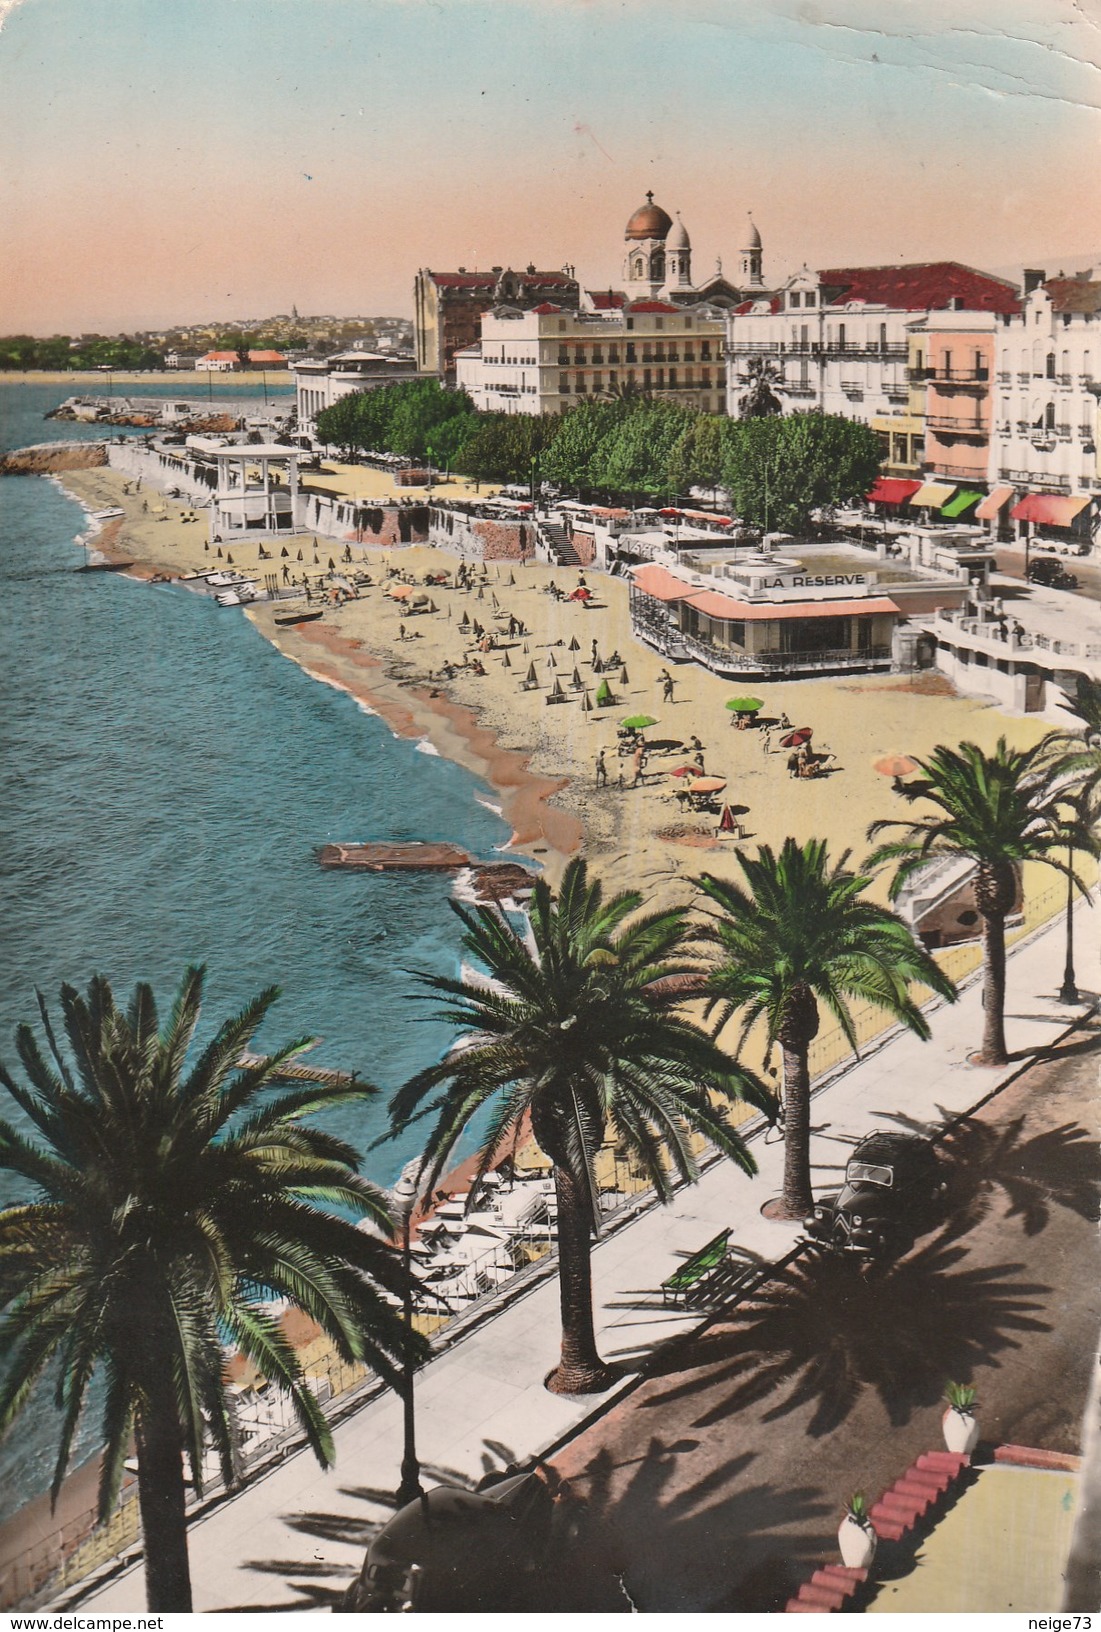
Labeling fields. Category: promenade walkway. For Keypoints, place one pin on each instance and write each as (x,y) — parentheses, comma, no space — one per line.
(294,1537)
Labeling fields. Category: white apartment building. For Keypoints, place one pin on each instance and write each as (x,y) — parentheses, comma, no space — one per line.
(838,340)
(547,359)
(1044,439)
(321,382)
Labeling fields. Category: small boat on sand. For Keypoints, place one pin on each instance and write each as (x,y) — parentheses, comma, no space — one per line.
(107,515)
(303,614)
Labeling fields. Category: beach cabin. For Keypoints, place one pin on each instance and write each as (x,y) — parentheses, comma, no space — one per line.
(256,490)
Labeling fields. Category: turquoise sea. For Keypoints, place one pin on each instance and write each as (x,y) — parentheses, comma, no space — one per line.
(165,776)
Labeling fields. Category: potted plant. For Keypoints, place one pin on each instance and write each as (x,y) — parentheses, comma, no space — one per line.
(856,1535)
(961,1428)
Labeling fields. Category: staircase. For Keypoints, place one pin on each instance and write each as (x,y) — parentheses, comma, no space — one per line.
(896,1513)
(558,544)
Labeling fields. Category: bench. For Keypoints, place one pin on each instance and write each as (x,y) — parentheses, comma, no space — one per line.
(694,1274)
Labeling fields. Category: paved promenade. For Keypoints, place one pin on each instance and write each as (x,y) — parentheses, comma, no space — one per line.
(295,1537)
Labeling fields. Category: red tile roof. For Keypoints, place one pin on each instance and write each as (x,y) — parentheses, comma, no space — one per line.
(1074,294)
(928,286)
(609,300)
(775,305)
(651,306)
(545,309)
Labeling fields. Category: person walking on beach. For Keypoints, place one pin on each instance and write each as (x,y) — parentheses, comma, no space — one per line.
(286,573)
(766,740)
(401,631)
(638,762)
(666,686)
(793,764)
(601,770)
(592,655)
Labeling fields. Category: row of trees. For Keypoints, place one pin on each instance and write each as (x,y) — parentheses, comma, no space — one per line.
(776,470)
(157,1199)
(25,352)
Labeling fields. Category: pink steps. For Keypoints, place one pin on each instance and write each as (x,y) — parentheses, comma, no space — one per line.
(896,1512)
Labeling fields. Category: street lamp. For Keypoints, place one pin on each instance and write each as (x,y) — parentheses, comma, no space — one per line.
(410,1489)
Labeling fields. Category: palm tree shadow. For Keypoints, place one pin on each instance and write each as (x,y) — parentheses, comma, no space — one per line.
(1059,1166)
(825,1329)
(639,1543)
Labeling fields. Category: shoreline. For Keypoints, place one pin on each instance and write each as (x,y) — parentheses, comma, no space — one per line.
(548,834)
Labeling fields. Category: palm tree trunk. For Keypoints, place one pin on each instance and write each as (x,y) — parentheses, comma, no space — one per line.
(798,1198)
(580,1369)
(993,990)
(161,1499)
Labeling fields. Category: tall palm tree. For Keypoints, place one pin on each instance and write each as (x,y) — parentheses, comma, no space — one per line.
(796,936)
(997,810)
(1086,706)
(158,1204)
(759,379)
(576,1030)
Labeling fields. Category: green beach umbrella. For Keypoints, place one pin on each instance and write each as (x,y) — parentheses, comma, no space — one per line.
(745,705)
(604,692)
(639,722)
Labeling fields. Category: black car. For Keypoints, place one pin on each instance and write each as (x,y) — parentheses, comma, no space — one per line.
(893,1192)
(1052,574)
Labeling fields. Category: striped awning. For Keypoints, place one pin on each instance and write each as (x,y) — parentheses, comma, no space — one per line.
(1049,509)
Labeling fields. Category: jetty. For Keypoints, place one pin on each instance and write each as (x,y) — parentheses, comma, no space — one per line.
(393,857)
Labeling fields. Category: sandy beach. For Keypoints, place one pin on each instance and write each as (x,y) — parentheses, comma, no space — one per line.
(541,758)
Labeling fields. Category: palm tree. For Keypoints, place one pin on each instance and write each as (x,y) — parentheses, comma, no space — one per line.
(1087,706)
(797,936)
(997,810)
(576,1030)
(160,1208)
(759,378)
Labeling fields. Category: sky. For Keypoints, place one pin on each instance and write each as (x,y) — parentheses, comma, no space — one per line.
(173,161)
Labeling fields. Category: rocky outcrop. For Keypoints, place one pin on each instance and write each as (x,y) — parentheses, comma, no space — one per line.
(49,458)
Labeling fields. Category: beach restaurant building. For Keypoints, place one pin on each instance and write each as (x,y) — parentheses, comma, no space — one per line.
(766,616)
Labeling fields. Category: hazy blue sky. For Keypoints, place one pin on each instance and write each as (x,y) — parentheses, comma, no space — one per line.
(170,160)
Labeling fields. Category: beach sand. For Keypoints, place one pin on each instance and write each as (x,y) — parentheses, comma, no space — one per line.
(541,758)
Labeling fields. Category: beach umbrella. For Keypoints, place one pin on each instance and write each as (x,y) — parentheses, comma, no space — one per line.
(402,592)
(707,784)
(623,676)
(745,705)
(604,692)
(316,562)
(575,644)
(207,546)
(284,552)
(432,607)
(219,552)
(598,667)
(464,621)
(527,648)
(449,611)
(229,559)
(532,677)
(300,555)
(481,593)
(512,579)
(686,770)
(895,765)
(551,664)
(581,594)
(418,600)
(727,824)
(586,704)
(576,681)
(796,739)
(505,663)
(332,564)
(556,689)
(639,722)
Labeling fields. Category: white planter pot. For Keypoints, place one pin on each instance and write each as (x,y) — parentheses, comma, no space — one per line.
(961,1430)
(857,1543)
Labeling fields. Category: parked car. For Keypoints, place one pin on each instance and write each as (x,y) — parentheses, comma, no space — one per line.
(1052,574)
(893,1192)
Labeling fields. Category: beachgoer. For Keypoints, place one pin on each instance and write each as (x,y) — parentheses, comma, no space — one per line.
(699,762)
(766,740)
(592,655)
(694,742)
(785,723)
(401,631)
(667,689)
(601,770)
(638,763)
(793,764)
(286,573)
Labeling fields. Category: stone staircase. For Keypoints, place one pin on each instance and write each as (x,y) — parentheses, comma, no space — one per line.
(558,542)
(894,1515)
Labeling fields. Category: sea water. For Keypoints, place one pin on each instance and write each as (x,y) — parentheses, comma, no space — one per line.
(166,776)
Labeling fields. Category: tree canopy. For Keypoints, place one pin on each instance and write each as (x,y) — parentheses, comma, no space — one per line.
(778,471)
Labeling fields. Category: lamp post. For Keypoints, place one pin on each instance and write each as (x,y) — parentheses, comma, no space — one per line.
(405,1194)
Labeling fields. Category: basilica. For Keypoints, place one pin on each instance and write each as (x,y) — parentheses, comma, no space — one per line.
(657,263)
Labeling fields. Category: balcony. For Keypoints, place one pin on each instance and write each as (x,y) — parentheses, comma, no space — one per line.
(1005,376)
(941,467)
(945,425)
(949,379)
(1089,383)
(752,347)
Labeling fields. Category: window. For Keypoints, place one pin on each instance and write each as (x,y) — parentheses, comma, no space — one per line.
(688,322)
(705,349)
(794,298)
(946,364)
(579,356)
(688,376)
(672,377)
(810,298)
(661,378)
(630,352)
(598,381)
(883,337)
(580,386)
(646,379)
(705,378)
(613,354)
(841,337)
(659,352)
(689,354)
(630,322)
(598,354)
(659,322)
(613,376)
(564,385)
(561,325)
(1050,365)
(1049,417)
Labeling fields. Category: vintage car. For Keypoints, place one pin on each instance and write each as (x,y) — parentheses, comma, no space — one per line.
(1051,574)
(893,1192)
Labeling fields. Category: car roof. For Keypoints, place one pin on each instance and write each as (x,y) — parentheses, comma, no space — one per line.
(889,1147)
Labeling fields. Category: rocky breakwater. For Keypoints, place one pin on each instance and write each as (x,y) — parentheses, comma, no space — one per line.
(51,458)
(497,881)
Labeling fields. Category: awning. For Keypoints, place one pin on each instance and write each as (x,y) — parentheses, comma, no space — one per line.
(662,585)
(892,490)
(962,501)
(610,514)
(728,610)
(935,494)
(1050,509)
(994,501)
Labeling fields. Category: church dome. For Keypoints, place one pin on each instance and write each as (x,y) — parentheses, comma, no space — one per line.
(678,238)
(753,238)
(650,221)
